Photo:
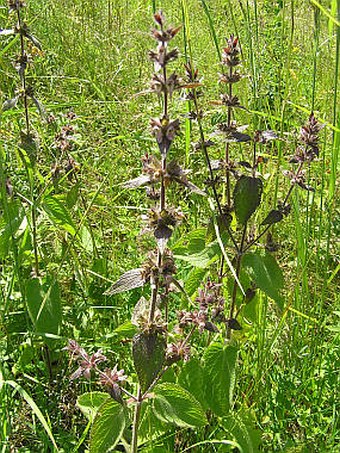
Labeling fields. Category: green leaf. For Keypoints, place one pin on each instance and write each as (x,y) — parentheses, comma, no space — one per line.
(194,280)
(44,306)
(9,225)
(274,216)
(148,355)
(193,249)
(263,269)
(58,214)
(86,239)
(241,427)
(150,428)
(174,404)
(219,377)
(223,221)
(247,197)
(90,402)
(192,243)
(108,427)
(191,379)
(72,196)
(125,330)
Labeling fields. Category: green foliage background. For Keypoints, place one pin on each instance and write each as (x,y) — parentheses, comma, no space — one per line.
(94,63)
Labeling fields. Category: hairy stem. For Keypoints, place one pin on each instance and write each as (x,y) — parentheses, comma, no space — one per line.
(155,286)
(28,132)
(24,84)
(227,154)
(136,418)
(238,269)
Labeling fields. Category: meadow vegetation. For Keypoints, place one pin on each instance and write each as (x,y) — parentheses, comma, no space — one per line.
(213,295)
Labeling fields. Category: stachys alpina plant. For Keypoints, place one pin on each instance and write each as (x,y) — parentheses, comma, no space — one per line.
(154,348)
(203,384)
(237,188)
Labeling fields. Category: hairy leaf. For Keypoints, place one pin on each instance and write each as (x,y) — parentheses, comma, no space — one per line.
(6,32)
(9,225)
(90,402)
(44,305)
(108,427)
(219,377)
(193,250)
(194,280)
(130,280)
(174,404)
(58,214)
(242,427)
(191,378)
(263,269)
(137,182)
(274,216)
(148,355)
(238,137)
(247,197)
(10,103)
(40,107)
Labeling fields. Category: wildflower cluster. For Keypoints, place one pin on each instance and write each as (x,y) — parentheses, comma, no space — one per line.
(306,152)
(111,379)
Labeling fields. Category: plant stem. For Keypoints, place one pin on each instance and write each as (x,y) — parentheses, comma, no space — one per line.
(207,158)
(227,154)
(136,418)
(24,84)
(238,268)
(155,286)
(292,185)
(23,62)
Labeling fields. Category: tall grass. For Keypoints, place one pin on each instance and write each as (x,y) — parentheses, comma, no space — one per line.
(95,65)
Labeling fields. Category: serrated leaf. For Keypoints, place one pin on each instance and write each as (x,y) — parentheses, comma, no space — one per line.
(34,40)
(141,308)
(6,32)
(40,107)
(10,104)
(191,378)
(148,352)
(266,136)
(90,402)
(130,280)
(242,427)
(201,259)
(108,427)
(125,330)
(263,269)
(193,242)
(247,197)
(238,137)
(58,214)
(137,182)
(194,188)
(194,280)
(274,216)
(151,428)
(44,305)
(219,377)
(173,404)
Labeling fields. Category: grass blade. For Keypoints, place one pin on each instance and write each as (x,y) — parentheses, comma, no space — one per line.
(29,400)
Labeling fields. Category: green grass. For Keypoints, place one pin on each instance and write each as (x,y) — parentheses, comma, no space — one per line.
(95,64)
